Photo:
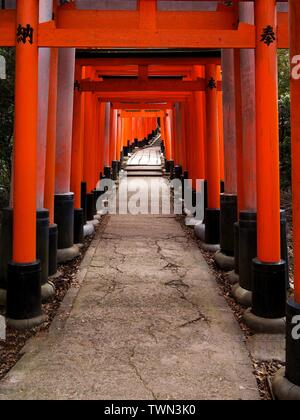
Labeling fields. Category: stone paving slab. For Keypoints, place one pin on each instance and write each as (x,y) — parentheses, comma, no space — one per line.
(148,322)
(146,157)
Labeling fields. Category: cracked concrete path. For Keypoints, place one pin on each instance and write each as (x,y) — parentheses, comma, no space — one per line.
(148,322)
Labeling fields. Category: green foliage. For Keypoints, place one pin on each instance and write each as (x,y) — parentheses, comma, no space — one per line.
(6,124)
(284,118)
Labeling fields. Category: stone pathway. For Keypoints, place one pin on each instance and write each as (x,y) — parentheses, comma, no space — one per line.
(148,322)
(147,157)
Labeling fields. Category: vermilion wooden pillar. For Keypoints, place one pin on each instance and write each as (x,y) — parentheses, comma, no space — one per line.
(51,137)
(229,213)
(49,189)
(24,276)
(220,125)
(167,133)
(45,15)
(97,147)
(119,135)
(286,385)
(180,139)
(191,141)
(176,130)
(229,122)
(43,231)
(64,198)
(113,135)
(101,123)
(77,159)
(134,133)
(295,121)
(269,275)
(125,125)
(212,213)
(89,139)
(246,231)
(199,72)
(107,135)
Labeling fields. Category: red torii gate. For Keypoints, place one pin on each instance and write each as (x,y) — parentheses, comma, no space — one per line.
(149,28)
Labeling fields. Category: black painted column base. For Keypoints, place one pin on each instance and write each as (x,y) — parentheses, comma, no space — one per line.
(228,217)
(53,241)
(78,226)
(125,151)
(83,201)
(107,172)
(42,245)
(268,298)
(247,252)
(177,172)
(3,295)
(212,226)
(42,249)
(24,300)
(234,275)
(5,250)
(171,166)
(284,245)
(115,170)
(64,218)
(90,206)
(43,242)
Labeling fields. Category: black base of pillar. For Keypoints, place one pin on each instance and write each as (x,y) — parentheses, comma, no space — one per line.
(284,245)
(115,170)
(78,226)
(90,206)
(236,232)
(97,195)
(107,172)
(6,245)
(24,305)
(228,217)
(125,151)
(177,172)
(83,201)
(53,244)
(269,289)
(205,198)
(168,165)
(212,226)
(292,371)
(222,187)
(64,218)
(42,242)
(247,248)
(171,168)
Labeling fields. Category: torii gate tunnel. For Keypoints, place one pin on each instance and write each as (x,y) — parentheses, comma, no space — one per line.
(93,81)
